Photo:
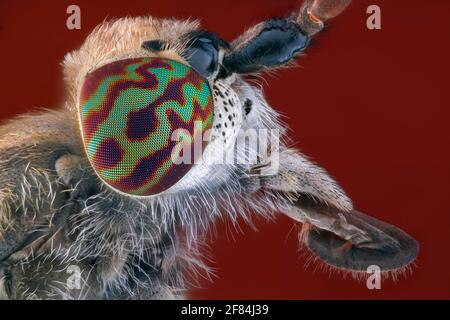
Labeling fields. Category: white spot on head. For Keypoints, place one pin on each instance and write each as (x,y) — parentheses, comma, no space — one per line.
(228,115)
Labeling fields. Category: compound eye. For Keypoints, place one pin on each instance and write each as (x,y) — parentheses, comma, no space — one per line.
(139,117)
(203,55)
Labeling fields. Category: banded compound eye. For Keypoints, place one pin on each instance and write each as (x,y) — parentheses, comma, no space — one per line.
(129,111)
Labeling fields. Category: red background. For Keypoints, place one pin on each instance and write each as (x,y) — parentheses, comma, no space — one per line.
(370,106)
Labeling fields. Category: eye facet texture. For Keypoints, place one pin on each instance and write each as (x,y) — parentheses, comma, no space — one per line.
(129,110)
